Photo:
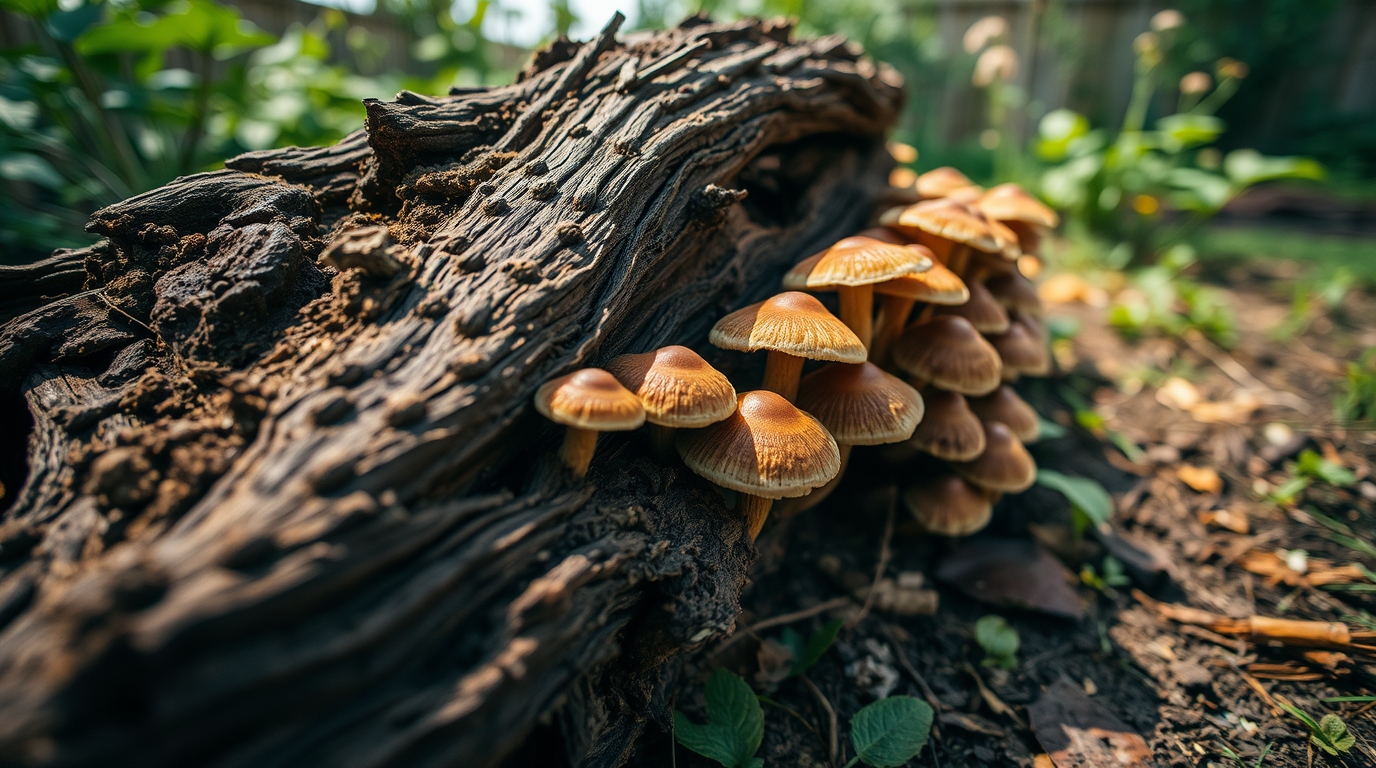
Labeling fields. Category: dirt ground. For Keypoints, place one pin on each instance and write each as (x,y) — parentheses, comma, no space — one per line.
(1220,547)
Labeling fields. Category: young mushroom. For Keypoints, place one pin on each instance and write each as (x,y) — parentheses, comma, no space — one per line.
(859,405)
(851,267)
(1004,406)
(792,326)
(1016,293)
(941,182)
(936,286)
(679,390)
(587,402)
(1021,351)
(1023,213)
(951,228)
(949,430)
(983,311)
(766,450)
(1005,464)
(948,352)
(948,506)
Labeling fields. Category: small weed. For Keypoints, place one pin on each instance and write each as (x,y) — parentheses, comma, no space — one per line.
(1162,299)
(890,732)
(1238,760)
(805,654)
(1358,399)
(1090,504)
(735,723)
(1329,734)
(1110,575)
(1311,464)
(999,641)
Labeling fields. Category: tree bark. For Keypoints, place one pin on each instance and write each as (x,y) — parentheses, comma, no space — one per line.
(279,496)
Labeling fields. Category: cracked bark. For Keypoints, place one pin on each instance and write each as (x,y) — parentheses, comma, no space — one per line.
(266,512)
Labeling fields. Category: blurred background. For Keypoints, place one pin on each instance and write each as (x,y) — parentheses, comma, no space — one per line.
(1162,131)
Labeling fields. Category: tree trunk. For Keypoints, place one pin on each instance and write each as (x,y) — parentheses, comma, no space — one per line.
(277,496)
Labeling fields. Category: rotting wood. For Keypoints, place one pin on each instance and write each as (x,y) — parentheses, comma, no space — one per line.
(277,514)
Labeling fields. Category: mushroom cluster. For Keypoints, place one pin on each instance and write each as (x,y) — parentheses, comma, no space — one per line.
(927,366)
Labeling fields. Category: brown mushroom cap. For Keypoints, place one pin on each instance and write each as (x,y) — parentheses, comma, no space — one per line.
(948,506)
(937,285)
(1010,202)
(983,311)
(861,404)
(949,430)
(767,448)
(677,387)
(1004,406)
(793,323)
(1021,350)
(940,182)
(856,261)
(947,219)
(1016,293)
(1005,464)
(590,399)
(950,353)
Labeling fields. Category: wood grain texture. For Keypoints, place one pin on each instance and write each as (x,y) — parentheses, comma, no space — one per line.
(285,501)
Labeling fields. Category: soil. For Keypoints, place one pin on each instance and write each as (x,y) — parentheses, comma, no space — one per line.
(1186,691)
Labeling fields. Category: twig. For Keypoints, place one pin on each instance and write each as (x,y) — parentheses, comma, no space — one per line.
(789,618)
(911,670)
(1255,685)
(662,67)
(831,716)
(997,705)
(885,553)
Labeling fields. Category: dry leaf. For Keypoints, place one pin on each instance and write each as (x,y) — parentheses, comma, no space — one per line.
(1202,479)
(1178,394)
(1228,519)
(1236,410)
(1079,733)
(1012,572)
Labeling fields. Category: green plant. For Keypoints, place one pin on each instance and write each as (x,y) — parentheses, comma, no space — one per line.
(998,640)
(1237,759)
(1311,464)
(806,654)
(1090,504)
(734,727)
(1162,298)
(890,732)
(1109,575)
(1329,733)
(1358,399)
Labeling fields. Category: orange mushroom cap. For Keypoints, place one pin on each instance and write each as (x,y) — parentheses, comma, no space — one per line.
(677,387)
(590,399)
(793,323)
(861,404)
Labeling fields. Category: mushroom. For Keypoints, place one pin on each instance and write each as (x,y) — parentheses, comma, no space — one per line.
(1021,351)
(793,326)
(1016,293)
(983,311)
(1023,213)
(950,228)
(859,405)
(766,450)
(1004,406)
(948,352)
(678,389)
(940,182)
(948,506)
(587,402)
(1005,464)
(937,285)
(949,430)
(851,267)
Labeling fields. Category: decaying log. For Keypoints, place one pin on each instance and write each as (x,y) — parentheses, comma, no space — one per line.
(283,499)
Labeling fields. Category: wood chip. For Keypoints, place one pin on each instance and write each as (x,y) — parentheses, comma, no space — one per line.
(1202,479)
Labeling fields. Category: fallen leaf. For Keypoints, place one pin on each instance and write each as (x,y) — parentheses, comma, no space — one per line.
(1078,733)
(1236,410)
(1202,479)
(1145,562)
(1012,572)
(1178,393)
(1227,519)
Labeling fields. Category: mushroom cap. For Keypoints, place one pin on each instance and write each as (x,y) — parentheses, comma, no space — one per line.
(1005,464)
(948,351)
(949,430)
(948,506)
(1004,406)
(1021,350)
(856,261)
(590,399)
(1009,245)
(793,323)
(1010,202)
(861,404)
(983,311)
(767,448)
(937,285)
(677,387)
(1016,293)
(940,182)
(947,219)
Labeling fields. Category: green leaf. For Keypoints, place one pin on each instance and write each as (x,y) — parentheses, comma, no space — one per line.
(1198,190)
(890,732)
(68,25)
(1312,464)
(808,654)
(1050,430)
(999,641)
(1185,130)
(734,727)
(1084,494)
(1246,167)
(1335,737)
(32,8)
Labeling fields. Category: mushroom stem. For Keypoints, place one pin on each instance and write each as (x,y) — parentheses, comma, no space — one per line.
(781,374)
(579,446)
(893,318)
(754,509)
(959,258)
(662,442)
(857,310)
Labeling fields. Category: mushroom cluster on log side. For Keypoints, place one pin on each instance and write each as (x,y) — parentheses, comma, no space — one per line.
(276,492)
